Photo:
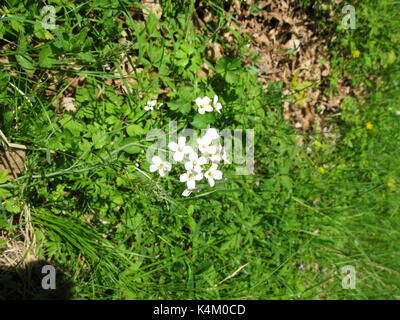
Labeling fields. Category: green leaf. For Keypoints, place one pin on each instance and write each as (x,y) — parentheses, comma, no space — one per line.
(154,54)
(4,193)
(44,57)
(391,57)
(134,130)
(132,149)
(203,267)
(189,49)
(229,69)
(73,126)
(2,243)
(3,176)
(86,57)
(179,54)
(12,206)
(99,140)
(182,62)
(25,63)
(4,79)
(199,121)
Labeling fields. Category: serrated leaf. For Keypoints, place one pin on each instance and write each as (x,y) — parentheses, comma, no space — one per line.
(44,60)
(25,63)
(180,54)
(99,140)
(182,62)
(86,57)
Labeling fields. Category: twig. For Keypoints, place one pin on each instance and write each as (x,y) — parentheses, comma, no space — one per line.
(22,93)
(233,274)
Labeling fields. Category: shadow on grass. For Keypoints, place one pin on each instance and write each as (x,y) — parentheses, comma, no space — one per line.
(25,283)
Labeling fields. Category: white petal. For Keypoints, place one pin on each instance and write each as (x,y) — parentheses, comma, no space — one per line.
(199,101)
(182,141)
(215,99)
(153,168)
(161,172)
(218,107)
(206,140)
(156,160)
(167,166)
(214,167)
(173,146)
(202,111)
(193,156)
(191,184)
(152,103)
(206,100)
(217,175)
(208,108)
(211,150)
(202,160)
(186,193)
(211,182)
(187,150)
(212,133)
(189,165)
(198,176)
(178,156)
(197,169)
(184,177)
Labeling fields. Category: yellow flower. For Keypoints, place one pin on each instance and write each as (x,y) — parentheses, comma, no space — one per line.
(321,170)
(356,54)
(369,126)
(318,144)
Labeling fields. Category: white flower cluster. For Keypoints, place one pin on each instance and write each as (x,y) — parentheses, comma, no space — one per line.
(151,104)
(198,165)
(205,105)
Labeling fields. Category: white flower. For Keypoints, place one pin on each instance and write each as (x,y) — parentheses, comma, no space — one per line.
(150,105)
(180,149)
(160,165)
(204,143)
(217,106)
(190,178)
(204,105)
(213,174)
(219,155)
(212,133)
(195,162)
(398,113)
